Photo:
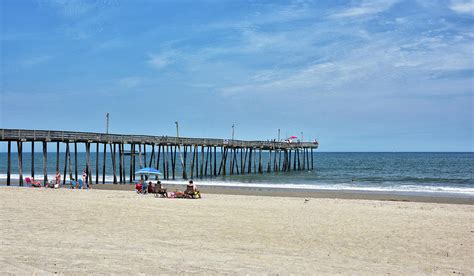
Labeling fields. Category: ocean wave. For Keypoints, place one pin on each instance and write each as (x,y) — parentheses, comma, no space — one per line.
(344,186)
(349,186)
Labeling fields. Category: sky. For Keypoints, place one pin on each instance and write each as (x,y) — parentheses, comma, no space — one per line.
(368,75)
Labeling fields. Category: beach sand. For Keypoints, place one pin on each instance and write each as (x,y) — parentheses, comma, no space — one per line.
(107,231)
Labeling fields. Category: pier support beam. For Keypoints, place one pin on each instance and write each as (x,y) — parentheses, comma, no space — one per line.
(269,163)
(192,160)
(173,162)
(131,163)
(121,163)
(57,156)
(65,163)
(9,162)
(215,161)
(97,163)
(185,154)
(45,163)
(104,161)
(75,160)
(114,167)
(207,161)
(32,160)
(167,164)
(20,162)
(88,164)
(201,168)
(68,151)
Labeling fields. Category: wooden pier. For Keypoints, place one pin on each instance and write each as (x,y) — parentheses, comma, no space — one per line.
(197,157)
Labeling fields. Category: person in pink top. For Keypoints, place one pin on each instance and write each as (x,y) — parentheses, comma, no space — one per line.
(58,178)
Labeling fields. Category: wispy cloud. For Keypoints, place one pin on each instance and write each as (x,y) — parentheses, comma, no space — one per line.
(367,7)
(462,6)
(275,14)
(331,54)
(160,61)
(130,82)
(72,7)
(384,60)
(82,19)
(37,60)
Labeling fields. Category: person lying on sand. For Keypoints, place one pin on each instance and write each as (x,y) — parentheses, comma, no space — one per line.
(35,183)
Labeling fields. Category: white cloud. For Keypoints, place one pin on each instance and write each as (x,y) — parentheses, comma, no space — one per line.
(33,61)
(366,8)
(462,6)
(331,54)
(381,61)
(72,7)
(159,61)
(130,82)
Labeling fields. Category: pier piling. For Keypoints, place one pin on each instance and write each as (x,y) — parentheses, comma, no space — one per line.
(234,157)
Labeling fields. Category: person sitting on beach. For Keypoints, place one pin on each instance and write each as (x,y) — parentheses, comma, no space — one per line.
(191,190)
(57,179)
(191,186)
(160,190)
(151,188)
(53,185)
(73,183)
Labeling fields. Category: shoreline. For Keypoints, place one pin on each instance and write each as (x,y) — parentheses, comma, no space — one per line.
(407,196)
(308,193)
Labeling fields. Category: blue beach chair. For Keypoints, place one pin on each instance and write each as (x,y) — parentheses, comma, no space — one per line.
(81,184)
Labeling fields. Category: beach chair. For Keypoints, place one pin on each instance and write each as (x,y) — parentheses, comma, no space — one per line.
(81,184)
(138,187)
(35,184)
(144,187)
(73,184)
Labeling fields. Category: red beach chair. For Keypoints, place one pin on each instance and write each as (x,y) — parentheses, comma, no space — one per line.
(138,187)
(33,183)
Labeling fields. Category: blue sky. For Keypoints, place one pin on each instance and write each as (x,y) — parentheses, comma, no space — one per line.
(358,75)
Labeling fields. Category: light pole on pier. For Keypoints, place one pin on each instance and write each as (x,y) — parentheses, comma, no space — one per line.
(278,135)
(233,128)
(177,129)
(302,137)
(107,123)
(185,176)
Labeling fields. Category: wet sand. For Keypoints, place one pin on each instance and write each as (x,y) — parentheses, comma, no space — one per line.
(307,193)
(107,231)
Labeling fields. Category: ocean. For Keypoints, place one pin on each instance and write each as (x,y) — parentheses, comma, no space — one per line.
(432,173)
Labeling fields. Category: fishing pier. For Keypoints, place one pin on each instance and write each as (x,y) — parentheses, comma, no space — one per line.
(191,157)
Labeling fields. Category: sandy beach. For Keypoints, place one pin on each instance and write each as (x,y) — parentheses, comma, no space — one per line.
(107,231)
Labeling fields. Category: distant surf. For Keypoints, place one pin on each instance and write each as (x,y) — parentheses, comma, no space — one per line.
(433,173)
